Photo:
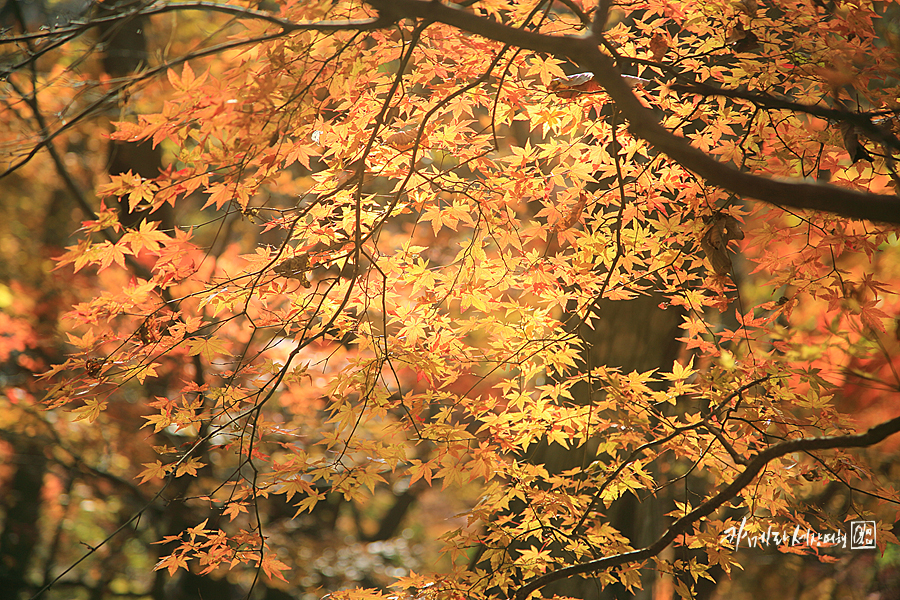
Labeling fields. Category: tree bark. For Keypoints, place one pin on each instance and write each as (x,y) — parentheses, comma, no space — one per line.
(125,52)
(21,532)
(634,335)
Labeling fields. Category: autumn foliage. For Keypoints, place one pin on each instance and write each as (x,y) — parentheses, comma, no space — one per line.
(363,307)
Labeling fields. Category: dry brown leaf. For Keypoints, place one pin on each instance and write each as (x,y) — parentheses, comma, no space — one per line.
(855,149)
(714,242)
(659,45)
(569,81)
(295,268)
(401,140)
(573,85)
(573,214)
(748,6)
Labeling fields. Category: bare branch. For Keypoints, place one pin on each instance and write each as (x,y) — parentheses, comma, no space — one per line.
(286,25)
(79,27)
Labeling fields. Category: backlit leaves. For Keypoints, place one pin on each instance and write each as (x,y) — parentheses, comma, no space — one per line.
(382,280)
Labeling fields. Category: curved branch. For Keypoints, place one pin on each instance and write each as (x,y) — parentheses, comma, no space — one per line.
(584,51)
(754,466)
(240,12)
(287,28)
(763,100)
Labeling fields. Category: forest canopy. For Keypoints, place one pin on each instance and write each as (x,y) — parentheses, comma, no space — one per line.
(411,299)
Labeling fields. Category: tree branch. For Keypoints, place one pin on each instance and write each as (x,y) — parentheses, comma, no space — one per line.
(287,28)
(754,466)
(763,100)
(584,51)
(241,12)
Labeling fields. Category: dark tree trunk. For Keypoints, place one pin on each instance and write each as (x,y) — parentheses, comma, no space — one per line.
(125,51)
(634,335)
(22,504)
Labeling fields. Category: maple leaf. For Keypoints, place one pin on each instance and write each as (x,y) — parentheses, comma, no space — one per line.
(107,219)
(309,503)
(207,347)
(297,485)
(546,69)
(680,372)
(873,317)
(468,308)
(419,470)
(172,563)
(219,194)
(159,422)
(143,372)
(109,253)
(188,81)
(144,237)
(154,470)
(91,410)
(273,567)
(84,342)
(189,467)
(300,152)
(233,509)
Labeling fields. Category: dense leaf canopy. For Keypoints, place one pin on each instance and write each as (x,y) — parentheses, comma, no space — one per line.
(444,300)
